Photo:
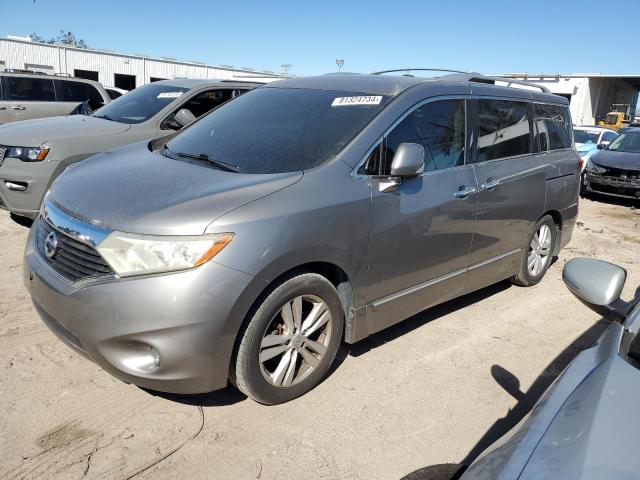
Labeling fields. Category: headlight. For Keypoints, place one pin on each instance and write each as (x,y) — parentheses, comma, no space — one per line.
(130,254)
(27,154)
(593,168)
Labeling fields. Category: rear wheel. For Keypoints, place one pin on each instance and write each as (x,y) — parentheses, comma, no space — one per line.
(290,342)
(538,253)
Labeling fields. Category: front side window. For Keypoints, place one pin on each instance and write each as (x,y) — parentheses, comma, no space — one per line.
(275,130)
(140,104)
(199,105)
(609,136)
(438,126)
(553,127)
(503,129)
(30,89)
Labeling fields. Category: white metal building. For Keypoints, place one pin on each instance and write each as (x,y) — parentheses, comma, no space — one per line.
(591,95)
(110,68)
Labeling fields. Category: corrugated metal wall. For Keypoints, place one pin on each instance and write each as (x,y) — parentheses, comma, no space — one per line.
(64,60)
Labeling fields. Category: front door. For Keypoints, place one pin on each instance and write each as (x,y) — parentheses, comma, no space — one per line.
(422,231)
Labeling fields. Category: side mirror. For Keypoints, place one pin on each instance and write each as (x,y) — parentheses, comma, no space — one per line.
(601,146)
(408,160)
(598,285)
(184,117)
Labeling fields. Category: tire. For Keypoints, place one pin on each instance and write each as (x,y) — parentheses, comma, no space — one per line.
(529,275)
(290,341)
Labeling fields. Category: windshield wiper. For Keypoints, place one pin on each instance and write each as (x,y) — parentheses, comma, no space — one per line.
(229,167)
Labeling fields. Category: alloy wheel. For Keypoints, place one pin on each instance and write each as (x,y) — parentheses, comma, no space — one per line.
(539,250)
(295,340)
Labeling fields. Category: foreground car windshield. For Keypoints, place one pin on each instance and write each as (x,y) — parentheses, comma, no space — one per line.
(584,136)
(276,130)
(140,104)
(627,142)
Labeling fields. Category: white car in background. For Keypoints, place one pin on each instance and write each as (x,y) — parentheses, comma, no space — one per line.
(591,139)
(115,92)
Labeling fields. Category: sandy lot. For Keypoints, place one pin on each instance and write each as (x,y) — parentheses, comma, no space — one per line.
(430,391)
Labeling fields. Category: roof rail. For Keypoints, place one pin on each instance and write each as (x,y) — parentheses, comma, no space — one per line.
(471,77)
(418,69)
(508,81)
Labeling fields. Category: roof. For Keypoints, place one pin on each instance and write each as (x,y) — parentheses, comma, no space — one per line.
(48,76)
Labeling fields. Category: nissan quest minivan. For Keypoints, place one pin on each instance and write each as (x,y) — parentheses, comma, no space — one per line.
(302,214)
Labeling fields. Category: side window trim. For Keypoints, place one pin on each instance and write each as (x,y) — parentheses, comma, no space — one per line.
(357,173)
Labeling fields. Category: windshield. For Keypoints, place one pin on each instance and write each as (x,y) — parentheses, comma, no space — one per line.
(585,136)
(140,104)
(275,130)
(627,142)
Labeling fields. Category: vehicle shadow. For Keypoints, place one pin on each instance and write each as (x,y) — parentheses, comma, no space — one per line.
(20,220)
(526,401)
(620,201)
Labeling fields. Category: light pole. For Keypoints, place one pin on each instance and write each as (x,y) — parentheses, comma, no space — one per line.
(340,63)
(285,68)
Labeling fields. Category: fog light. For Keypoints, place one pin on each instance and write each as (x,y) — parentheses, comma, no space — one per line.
(140,357)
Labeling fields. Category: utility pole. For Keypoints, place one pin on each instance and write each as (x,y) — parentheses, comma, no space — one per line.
(340,63)
(285,68)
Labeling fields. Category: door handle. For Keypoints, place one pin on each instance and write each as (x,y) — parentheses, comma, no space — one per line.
(3,107)
(18,107)
(490,185)
(464,192)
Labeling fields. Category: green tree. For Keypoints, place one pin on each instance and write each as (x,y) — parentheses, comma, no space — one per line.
(66,38)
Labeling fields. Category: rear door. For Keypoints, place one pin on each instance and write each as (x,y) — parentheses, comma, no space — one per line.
(422,231)
(30,97)
(70,93)
(511,178)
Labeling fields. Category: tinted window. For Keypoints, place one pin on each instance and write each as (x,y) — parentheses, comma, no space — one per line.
(30,89)
(586,136)
(553,127)
(503,129)
(68,91)
(439,127)
(272,130)
(113,94)
(627,142)
(609,136)
(140,104)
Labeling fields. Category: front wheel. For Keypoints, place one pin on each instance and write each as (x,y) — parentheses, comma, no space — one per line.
(291,340)
(538,253)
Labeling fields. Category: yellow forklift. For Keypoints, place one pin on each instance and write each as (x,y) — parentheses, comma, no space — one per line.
(617,117)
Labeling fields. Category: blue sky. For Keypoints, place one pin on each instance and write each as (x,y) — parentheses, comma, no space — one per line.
(485,36)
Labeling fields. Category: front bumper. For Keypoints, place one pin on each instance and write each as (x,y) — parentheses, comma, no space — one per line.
(37,178)
(628,187)
(173,333)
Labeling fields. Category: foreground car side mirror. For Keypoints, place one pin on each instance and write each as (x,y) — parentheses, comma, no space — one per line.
(184,117)
(598,285)
(408,162)
(601,146)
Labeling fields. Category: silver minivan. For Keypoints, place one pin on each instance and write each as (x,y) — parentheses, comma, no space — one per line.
(24,96)
(302,214)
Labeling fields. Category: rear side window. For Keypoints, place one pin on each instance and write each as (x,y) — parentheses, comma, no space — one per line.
(553,127)
(504,129)
(68,91)
(30,89)
(439,127)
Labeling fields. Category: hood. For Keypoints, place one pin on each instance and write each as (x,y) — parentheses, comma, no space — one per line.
(33,133)
(594,435)
(134,190)
(613,159)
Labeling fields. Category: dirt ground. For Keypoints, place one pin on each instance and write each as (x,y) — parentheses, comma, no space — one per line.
(432,390)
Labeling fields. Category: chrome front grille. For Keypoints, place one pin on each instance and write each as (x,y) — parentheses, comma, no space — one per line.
(73,259)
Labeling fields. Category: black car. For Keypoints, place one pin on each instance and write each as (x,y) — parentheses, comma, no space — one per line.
(615,170)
